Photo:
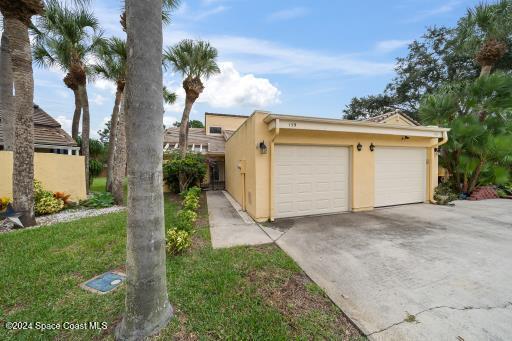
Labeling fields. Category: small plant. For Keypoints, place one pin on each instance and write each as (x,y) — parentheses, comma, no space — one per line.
(99,200)
(177,241)
(410,318)
(45,202)
(192,168)
(186,220)
(444,194)
(63,196)
(4,201)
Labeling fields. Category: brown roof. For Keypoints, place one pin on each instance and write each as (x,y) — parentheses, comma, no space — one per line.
(384,116)
(47,130)
(213,144)
(230,115)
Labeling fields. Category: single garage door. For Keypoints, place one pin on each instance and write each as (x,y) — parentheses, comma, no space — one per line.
(310,180)
(400,175)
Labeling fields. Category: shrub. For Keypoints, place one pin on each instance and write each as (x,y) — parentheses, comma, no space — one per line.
(192,167)
(44,201)
(191,203)
(186,220)
(4,202)
(48,205)
(177,241)
(444,194)
(95,168)
(99,200)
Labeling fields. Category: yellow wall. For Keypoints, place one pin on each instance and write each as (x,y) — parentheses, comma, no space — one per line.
(225,122)
(57,173)
(242,146)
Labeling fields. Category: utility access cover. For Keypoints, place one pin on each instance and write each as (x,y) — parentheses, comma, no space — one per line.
(104,283)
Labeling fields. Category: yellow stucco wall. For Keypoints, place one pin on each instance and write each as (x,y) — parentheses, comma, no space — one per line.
(225,122)
(57,173)
(242,146)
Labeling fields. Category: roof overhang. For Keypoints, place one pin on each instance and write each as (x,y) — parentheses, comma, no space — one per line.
(289,122)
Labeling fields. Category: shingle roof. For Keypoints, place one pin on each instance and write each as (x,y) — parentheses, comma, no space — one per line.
(47,130)
(197,136)
(384,116)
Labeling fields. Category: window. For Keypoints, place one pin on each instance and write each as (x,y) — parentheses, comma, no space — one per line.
(215,130)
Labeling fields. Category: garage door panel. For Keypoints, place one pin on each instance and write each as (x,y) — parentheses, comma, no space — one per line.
(400,175)
(315,180)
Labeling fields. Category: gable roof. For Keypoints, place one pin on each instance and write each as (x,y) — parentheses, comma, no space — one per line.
(383,117)
(213,144)
(47,131)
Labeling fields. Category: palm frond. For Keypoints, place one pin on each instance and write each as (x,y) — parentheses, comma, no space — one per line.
(192,58)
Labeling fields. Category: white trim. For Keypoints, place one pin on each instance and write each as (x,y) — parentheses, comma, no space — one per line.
(322,124)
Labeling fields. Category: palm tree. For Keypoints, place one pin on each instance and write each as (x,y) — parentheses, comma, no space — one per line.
(194,60)
(111,65)
(67,37)
(6,96)
(486,29)
(168,6)
(17,16)
(147,307)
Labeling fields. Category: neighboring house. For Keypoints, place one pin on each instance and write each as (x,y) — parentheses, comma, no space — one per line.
(209,141)
(57,163)
(279,166)
(49,137)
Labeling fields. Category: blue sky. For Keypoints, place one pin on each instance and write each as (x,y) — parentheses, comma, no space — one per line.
(291,57)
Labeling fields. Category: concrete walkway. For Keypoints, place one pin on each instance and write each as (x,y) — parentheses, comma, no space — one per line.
(230,227)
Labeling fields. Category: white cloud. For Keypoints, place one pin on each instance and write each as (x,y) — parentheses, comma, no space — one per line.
(230,89)
(65,122)
(288,14)
(104,84)
(169,120)
(442,9)
(386,46)
(98,99)
(186,13)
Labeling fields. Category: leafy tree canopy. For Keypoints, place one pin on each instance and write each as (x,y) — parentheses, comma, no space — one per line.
(191,124)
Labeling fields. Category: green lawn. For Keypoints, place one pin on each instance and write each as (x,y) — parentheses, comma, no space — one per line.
(245,292)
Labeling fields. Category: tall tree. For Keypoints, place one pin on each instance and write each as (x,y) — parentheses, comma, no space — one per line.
(194,60)
(485,33)
(67,36)
(17,16)
(147,307)
(111,65)
(6,96)
(119,160)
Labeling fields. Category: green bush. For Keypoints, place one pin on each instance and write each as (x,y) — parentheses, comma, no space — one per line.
(177,241)
(185,220)
(95,168)
(191,203)
(99,200)
(192,167)
(445,194)
(44,201)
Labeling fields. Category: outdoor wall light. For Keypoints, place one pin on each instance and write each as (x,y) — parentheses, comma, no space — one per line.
(405,138)
(372,147)
(359,147)
(262,147)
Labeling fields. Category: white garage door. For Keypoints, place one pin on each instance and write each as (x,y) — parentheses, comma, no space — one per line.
(310,180)
(400,175)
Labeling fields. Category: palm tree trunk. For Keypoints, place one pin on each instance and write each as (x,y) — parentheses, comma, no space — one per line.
(23,167)
(476,175)
(485,70)
(119,162)
(76,115)
(112,141)
(86,126)
(147,305)
(6,97)
(183,142)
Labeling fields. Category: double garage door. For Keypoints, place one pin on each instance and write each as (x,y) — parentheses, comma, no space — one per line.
(312,180)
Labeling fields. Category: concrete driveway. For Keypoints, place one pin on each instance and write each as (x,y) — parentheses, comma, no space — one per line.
(415,272)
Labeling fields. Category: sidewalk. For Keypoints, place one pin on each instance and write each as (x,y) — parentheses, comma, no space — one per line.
(230,228)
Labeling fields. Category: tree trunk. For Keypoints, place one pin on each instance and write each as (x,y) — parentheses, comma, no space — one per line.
(476,176)
(485,70)
(147,305)
(183,141)
(23,167)
(6,97)
(76,116)
(112,140)
(119,162)
(86,126)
